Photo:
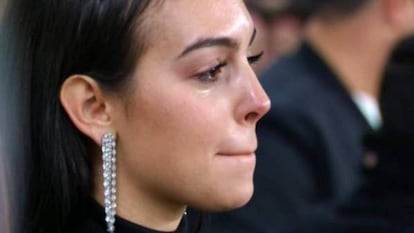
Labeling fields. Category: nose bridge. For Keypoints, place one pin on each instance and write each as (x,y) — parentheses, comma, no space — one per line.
(254,101)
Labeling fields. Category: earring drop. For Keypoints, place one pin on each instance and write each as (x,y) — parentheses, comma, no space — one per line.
(109,179)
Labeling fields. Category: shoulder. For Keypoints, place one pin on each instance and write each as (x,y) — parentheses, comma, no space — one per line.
(303,89)
(292,85)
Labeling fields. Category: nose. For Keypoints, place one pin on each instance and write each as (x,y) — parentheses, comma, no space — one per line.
(254,102)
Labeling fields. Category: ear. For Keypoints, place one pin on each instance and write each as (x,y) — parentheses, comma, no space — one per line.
(86,106)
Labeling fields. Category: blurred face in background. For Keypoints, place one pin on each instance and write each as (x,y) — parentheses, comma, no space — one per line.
(279,32)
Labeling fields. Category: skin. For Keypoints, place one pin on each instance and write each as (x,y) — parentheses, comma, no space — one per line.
(186,129)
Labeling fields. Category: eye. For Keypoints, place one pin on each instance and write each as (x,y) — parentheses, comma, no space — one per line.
(212,74)
(255,58)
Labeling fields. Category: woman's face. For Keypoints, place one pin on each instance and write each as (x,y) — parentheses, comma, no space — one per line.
(187,135)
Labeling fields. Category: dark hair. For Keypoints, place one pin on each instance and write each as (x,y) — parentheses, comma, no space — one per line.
(397,94)
(331,8)
(99,38)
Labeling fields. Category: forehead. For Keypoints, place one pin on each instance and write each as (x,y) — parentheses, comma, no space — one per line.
(177,23)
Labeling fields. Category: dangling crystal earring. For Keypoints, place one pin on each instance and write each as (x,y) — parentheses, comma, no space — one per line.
(109,179)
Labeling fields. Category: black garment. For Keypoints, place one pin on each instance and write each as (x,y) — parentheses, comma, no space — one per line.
(94,222)
(310,146)
(385,201)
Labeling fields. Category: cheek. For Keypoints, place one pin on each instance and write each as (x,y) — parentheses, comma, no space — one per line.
(170,143)
(195,129)
(184,121)
(175,131)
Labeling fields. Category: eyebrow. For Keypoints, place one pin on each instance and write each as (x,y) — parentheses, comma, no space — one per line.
(253,36)
(211,42)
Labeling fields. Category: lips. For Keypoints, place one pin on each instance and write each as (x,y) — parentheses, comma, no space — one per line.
(241,153)
(233,147)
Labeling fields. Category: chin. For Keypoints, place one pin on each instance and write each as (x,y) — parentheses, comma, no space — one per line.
(239,200)
(229,199)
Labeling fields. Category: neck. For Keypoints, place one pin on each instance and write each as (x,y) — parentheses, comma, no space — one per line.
(357,52)
(139,207)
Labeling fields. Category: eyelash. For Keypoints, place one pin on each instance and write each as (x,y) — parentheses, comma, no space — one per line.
(255,58)
(211,74)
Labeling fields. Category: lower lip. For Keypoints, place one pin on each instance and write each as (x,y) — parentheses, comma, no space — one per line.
(238,158)
(237,155)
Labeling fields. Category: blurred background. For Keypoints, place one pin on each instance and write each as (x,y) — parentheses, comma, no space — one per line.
(3,187)
(280,25)
(2,5)
(12,128)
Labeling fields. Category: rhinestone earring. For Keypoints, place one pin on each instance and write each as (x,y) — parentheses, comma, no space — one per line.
(109,179)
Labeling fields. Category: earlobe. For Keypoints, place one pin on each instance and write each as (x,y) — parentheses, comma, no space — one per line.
(85,104)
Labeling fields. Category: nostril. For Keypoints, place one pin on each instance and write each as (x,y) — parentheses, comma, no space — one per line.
(253,116)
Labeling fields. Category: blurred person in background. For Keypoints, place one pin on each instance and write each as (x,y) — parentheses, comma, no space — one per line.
(280,26)
(324,100)
(384,202)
